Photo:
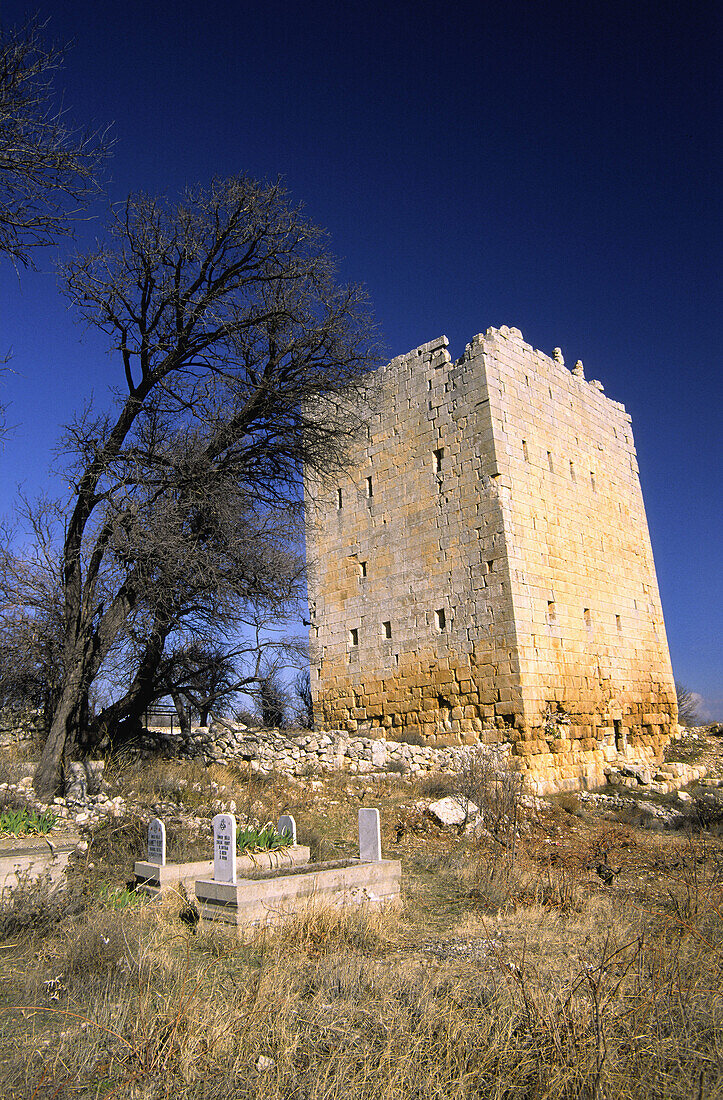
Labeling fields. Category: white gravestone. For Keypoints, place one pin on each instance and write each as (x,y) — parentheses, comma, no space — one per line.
(287,824)
(224,848)
(370,836)
(157,842)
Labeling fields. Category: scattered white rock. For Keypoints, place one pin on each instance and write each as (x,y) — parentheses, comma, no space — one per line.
(453,810)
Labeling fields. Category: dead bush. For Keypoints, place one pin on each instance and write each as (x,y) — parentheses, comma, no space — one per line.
(96,947)
(408,737)
(324,929)
(497,792)
(439,785)
(34,907)
(118,842)
(569,801)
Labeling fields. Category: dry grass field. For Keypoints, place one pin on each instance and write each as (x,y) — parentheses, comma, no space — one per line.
(565,956)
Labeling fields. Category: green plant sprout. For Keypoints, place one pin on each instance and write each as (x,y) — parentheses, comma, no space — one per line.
(265,839)
(26,822)
(118,898)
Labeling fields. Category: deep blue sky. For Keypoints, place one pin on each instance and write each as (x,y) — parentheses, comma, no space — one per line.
(549,166)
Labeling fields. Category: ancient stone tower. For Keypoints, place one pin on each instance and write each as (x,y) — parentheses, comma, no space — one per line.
(485,572)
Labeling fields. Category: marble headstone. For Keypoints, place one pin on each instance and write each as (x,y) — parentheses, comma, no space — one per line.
(370,836)
(156,842)
(287,824)
(224,848)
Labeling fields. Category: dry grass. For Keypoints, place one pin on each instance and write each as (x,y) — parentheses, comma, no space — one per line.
(592,1006)
(527,976)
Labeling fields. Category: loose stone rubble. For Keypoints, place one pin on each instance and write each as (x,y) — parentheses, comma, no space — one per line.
(302,753)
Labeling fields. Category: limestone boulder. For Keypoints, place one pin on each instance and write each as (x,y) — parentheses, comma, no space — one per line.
(453,810)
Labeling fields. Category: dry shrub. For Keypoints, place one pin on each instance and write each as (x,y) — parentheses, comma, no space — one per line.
(34,907)
(409,737)
(438,785)
(497,792)
(320,845)
(569,801)
(321,928)
(490,883)
(573,1010)
(98,945)
(118,842)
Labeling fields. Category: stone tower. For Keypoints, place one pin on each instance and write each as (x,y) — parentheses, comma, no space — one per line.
(485,571)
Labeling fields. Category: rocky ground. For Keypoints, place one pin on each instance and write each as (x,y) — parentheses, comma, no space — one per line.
(684,785)
(566,946)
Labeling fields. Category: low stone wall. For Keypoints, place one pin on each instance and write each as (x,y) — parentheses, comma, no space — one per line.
(30,857)
(16,736)
(303,753)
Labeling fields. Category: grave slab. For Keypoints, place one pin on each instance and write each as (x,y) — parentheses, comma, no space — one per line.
(275,896)
(370,837)
(34,856)
(153,879)
(287,824)
(156,842)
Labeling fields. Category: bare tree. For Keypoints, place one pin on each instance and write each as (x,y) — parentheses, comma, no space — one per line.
(206,676)
(237,353)
(273,700)
(47,168)
(688,703)
(305,702)
(31,621)
(204,673)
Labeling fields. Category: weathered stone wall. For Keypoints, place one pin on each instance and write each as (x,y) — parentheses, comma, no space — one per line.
(486,572)
(403,564)
(591,639)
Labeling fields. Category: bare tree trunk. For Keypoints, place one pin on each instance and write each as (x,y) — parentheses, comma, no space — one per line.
(49,779)
(142,692)
(84,656)
(182,712)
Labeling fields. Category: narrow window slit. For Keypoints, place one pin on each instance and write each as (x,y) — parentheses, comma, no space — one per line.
(620,739)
